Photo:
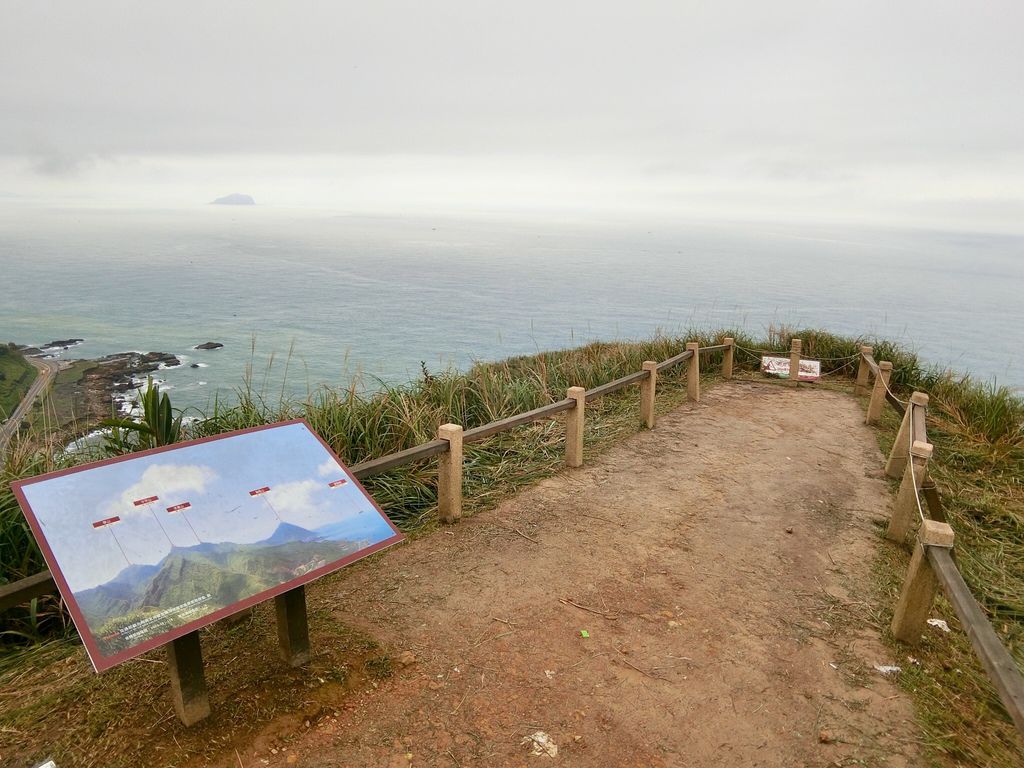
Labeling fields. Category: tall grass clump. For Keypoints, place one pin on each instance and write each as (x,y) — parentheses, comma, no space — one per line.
(363,422)
(26,456)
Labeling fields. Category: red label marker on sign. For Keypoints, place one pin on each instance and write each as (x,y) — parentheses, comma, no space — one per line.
(336,483)
(107,521)
(179,507)
(259,491)
(147,500)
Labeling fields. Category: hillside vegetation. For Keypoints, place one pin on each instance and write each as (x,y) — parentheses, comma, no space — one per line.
(16,376)
(977,429)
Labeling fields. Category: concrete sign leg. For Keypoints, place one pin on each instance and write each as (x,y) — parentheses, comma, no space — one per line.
(292,627)
(188,685)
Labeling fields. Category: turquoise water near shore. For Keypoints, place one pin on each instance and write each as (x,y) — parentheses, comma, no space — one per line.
(329,296)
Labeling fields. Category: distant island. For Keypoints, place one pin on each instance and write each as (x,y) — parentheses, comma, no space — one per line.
(234,199)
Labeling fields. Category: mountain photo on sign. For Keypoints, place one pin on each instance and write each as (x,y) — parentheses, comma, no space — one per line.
(147,545)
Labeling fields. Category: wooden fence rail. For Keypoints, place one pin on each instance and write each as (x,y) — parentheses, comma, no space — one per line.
(24,590)
(932,565)
(1000,666)
(39,584)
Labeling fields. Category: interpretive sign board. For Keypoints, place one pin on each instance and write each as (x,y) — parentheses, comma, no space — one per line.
(810,370)
(148,547)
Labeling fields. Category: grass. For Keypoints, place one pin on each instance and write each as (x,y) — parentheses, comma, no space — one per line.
(16,376)
(53,705)
(979,467)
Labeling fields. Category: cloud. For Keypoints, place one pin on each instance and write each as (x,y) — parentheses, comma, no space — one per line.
(310,503)
(169,482)
(296,499)
(328,468)
(740,99)
(60,165)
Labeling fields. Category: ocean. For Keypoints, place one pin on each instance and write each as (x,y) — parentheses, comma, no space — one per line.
(305,298)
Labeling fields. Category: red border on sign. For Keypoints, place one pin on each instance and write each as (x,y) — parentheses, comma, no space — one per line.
(102,663)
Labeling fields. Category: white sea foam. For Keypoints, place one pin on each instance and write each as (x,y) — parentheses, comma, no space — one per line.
(128,401)
(86,440)
(183,360)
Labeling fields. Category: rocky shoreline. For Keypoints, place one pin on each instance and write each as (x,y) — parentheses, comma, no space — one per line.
(86,391)
(115,377)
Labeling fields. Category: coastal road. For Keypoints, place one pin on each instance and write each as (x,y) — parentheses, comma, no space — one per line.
(47,371)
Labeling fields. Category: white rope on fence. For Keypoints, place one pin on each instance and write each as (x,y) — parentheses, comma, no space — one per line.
(837,371)
(910,462)
(758,352)
(885,384)
(905,403)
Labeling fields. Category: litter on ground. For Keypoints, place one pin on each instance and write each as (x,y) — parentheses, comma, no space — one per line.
(541,744)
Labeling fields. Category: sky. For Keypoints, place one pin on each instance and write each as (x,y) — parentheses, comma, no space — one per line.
(215,478)
(881,112)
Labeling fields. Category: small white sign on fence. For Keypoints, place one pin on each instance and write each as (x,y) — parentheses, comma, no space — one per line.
(810,370)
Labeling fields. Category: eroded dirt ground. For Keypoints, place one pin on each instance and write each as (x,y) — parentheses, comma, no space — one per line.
(710,561)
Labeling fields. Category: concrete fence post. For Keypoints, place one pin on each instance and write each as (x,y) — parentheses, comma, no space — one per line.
(648,393)
(727,358)
(795,347)
(574,427)
(449,474)
(919,585)
(878,393)
(900,452)
(904,510)
(693,372)
(863,370)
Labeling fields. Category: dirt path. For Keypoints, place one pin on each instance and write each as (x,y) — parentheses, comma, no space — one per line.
(712,562)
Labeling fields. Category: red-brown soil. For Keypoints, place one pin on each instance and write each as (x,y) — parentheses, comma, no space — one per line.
(718,564)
